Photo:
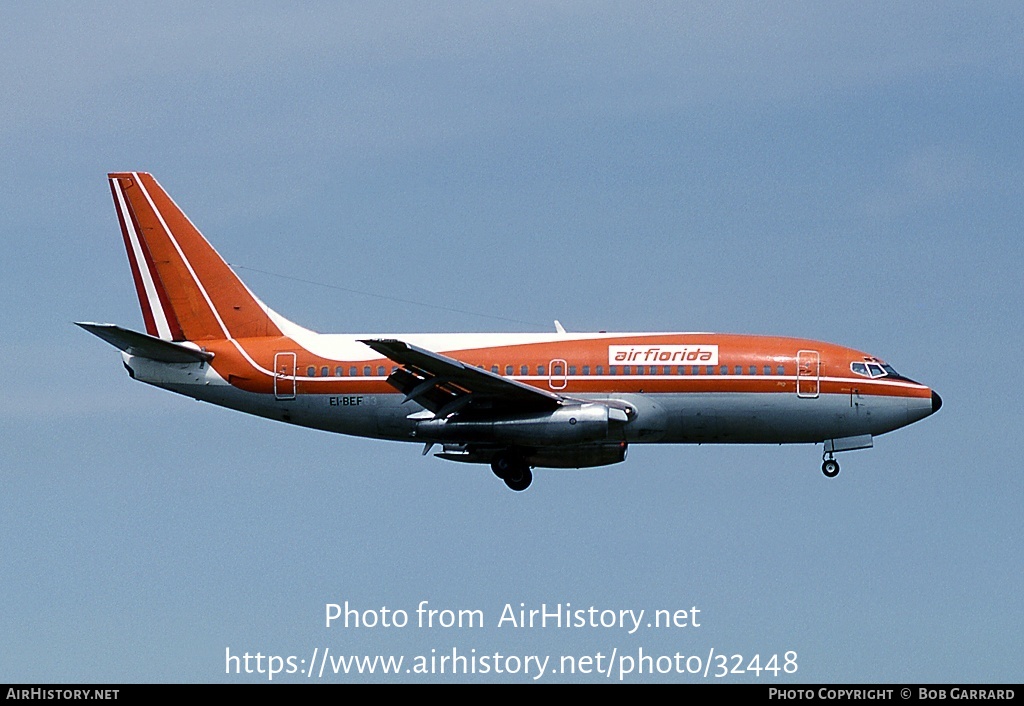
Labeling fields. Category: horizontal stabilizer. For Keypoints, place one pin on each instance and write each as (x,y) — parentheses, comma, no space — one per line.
(146,346)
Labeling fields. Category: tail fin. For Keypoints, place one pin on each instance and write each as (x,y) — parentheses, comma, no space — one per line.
(186,290)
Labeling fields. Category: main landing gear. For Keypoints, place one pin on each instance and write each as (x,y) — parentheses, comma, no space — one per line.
(829,465)
(513,469)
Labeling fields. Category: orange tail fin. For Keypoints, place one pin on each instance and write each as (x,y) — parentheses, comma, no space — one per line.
(186,290)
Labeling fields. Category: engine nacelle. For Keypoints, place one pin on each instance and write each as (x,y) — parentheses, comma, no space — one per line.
(579,456)
(582,456)
(573,424)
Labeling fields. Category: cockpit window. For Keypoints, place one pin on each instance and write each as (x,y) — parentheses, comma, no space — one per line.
(874,369)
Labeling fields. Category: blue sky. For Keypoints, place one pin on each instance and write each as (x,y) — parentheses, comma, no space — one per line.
(850,173)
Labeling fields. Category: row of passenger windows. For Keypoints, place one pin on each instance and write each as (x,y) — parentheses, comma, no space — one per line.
(559,370)
(353,371)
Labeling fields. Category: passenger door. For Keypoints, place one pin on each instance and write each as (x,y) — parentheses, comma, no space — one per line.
(284,376)
(808,374)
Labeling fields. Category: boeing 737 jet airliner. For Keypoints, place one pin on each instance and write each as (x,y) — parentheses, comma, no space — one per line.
(516,401)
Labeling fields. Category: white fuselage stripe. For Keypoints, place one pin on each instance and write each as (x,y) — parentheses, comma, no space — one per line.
(152,298)
(532,379)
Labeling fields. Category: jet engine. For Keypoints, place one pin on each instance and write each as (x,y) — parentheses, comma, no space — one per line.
(569,424)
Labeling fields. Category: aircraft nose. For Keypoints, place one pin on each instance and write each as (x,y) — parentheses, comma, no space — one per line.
(936,401)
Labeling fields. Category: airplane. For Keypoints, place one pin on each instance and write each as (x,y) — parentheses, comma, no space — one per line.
(514,401)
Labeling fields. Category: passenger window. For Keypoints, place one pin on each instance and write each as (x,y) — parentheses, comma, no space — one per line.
(709,370)
(572,369)
(353,371)
(557,370)
(600,370)
(525,370)
(494,368)
(625,370)
(380,369)
(311,372)
(325,372)
(367,371)
(540,369)
(724,370)
(738,370)
(339,372)
(509,369)
(767,370)
(781,370)
(586,370)
(753,370)
(612,370)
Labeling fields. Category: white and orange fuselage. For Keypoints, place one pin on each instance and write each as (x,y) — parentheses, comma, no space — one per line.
(514,400)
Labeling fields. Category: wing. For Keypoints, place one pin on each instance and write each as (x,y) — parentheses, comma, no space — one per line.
(444,385)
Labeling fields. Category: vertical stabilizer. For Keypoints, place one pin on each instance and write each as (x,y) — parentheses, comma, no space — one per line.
(186,290)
